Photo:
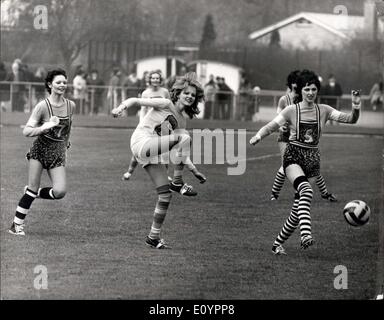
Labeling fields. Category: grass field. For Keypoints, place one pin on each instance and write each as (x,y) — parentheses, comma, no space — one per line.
(92,241)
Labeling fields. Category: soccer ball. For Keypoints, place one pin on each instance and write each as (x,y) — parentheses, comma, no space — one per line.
(356,213)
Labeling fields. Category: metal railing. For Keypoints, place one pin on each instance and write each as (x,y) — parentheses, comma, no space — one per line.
(23,96)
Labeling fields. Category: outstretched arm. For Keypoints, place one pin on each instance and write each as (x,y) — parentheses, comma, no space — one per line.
(270,127)
(348,117)
(158,103)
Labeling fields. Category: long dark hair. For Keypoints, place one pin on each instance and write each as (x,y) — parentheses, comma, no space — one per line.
(51,75)
(189,79)
(306,78)
(292,78)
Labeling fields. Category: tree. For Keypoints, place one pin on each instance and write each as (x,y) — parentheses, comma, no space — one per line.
(209,34)
(275,39)
(73,23)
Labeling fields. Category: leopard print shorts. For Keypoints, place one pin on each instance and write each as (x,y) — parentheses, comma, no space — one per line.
(49,153)
(307,158)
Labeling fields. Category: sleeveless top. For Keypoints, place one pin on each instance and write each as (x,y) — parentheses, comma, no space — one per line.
(61,132)
(308,132)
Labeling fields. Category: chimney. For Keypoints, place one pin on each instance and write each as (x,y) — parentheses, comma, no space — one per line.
(370,19)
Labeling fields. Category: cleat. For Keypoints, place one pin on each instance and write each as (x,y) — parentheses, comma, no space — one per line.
(278,250)
(156,243)
(170,179)
(306,242)
(183,189)
(126,176)
(330,197)
(274,196)
(17,229)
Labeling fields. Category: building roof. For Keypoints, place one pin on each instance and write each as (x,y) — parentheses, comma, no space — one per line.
(344,26)
(214,62)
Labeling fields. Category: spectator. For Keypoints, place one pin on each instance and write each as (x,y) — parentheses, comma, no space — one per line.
(40,78)
(209,92)
(4,89)
(256,103)
(245,100)
(376,96)
(18,90)
(114,90)
(96,91)
(131,88)
(80,92)
(332,92)
(223,98)
(144,81)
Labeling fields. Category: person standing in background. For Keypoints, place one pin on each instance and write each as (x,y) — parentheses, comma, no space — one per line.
(209,91)
(95,91)
(17,96)
(80,92)
(376,96)
(332,93)
(114,90)
(39,77)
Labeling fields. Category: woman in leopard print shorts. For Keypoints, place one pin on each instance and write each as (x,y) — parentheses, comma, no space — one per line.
(50,122)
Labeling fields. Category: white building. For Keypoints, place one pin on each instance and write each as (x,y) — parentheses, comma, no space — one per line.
(309,30)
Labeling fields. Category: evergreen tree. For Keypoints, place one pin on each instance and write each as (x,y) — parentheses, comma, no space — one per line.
(209,34)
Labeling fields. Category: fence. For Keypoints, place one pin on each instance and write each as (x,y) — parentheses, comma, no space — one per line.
(23,96)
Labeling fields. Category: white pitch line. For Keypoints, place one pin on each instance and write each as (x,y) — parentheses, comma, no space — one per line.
(266,156)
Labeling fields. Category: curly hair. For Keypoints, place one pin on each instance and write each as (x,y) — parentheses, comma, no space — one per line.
(51,75)
(154,72)
(189,79)
(306,78)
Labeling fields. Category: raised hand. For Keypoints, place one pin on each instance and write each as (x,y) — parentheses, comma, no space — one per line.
(356,99)
(53,122)
(118,111)
(255,139)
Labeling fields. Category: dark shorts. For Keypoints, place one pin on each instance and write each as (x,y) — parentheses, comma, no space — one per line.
(284,134)
(307,158)
(283,137)
(49,153)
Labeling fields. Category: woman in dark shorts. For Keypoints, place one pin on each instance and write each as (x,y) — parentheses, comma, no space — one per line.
(301,160)
(50,122)
(283,139)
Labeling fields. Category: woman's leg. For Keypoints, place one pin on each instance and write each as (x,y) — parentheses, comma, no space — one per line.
(280,175)
(34,175)
(59,184)
(132,166)
(289,227)
(301,184)
(325,194)
(159,177)
(180,145)
(159,145)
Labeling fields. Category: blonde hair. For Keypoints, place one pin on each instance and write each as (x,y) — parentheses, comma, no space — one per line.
(189,79)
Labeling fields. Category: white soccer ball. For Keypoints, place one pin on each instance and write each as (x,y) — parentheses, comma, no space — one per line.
(356,213)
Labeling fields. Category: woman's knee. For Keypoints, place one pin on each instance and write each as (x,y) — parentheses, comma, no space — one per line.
(302,185)
(59,192)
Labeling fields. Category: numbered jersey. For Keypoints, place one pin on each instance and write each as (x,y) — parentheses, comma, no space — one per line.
(60,132)
(308,131)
